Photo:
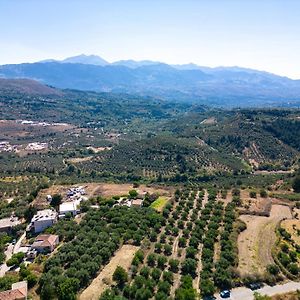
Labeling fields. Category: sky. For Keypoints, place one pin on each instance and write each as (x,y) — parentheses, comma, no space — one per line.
(258,34)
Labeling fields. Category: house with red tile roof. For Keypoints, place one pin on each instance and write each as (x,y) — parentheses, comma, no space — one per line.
(18,292)
(45,243)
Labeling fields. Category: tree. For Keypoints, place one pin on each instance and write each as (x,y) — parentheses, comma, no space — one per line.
(161,261)
(186,290)
(273,269)
(56,200)
(168,276)
(6,281)
(207,287)
(263,193)
(296,184)
(133,194)
(174,263)
(67,289)
(16,259)
(167,249)
(293,268)
(120,276)
(155,274)
(189,267)
(151,259)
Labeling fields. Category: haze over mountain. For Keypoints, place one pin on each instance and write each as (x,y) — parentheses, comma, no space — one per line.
(81,59)
(222,86)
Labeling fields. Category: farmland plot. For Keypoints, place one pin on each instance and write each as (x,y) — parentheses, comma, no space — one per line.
(256,242)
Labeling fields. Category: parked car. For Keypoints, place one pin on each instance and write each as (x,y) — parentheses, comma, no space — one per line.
(255,286)
(14,241)
(209,298)
(225,294)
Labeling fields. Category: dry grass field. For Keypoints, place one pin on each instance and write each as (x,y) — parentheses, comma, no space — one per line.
(123,258)
(258,205)
(292,227)
(10,129)
(288,296)
(256,242)
(105,190)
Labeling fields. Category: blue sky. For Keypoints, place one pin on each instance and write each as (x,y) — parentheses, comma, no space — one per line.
(260,34)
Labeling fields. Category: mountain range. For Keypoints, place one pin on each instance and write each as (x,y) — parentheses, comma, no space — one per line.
(221,86)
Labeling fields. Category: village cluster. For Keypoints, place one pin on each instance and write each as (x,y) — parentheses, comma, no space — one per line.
(43,219)
(35,241)
(36,146)
(35,123)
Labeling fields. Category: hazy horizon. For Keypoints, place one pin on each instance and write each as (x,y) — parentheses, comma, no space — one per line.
(250,34)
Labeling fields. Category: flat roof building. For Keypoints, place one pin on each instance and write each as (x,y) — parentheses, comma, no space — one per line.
(69,207)
(43,219)
(7,224)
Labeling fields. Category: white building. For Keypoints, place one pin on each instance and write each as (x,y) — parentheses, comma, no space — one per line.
(69,207)
(43,219)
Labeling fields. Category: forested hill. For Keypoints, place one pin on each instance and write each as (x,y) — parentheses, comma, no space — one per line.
(226,87)
(28,99)
(158,138)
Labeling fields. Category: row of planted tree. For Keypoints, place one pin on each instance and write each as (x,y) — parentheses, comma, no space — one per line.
(193,253)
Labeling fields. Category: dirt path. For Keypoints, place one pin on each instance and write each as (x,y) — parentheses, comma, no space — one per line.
(123,258)
(256,242)
(196,281)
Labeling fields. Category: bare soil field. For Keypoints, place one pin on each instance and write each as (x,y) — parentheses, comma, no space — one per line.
(99,149)
(106,190)
(113,189)
(256,242)
(123,258)
(79,159)
(209,121)
(11,129)
(256,205)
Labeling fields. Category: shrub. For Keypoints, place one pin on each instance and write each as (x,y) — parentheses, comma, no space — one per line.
(273,269)
(120,276)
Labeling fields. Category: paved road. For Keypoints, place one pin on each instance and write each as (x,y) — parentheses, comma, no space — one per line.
(11,249)
(9,252)
(246,294)
(18,243)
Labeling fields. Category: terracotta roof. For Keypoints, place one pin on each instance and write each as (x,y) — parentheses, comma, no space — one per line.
(45,240)
(12,295)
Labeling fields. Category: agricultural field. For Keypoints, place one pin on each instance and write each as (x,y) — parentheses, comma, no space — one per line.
(122,258)
(104,190)
(159,203)
(181,201)
(256,242)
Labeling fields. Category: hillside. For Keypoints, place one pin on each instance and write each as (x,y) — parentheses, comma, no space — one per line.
(225,87)
(142,137)
(26,86)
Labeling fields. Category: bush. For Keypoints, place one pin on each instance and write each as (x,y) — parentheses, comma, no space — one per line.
(16,259)
(120,276)
(296,184)
(263,193)
(273,269)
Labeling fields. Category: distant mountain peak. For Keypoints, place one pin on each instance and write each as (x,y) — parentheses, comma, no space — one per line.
(80,59)
(86,59)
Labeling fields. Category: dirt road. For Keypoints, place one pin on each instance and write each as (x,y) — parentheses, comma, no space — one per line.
(123,258)
(256,242)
